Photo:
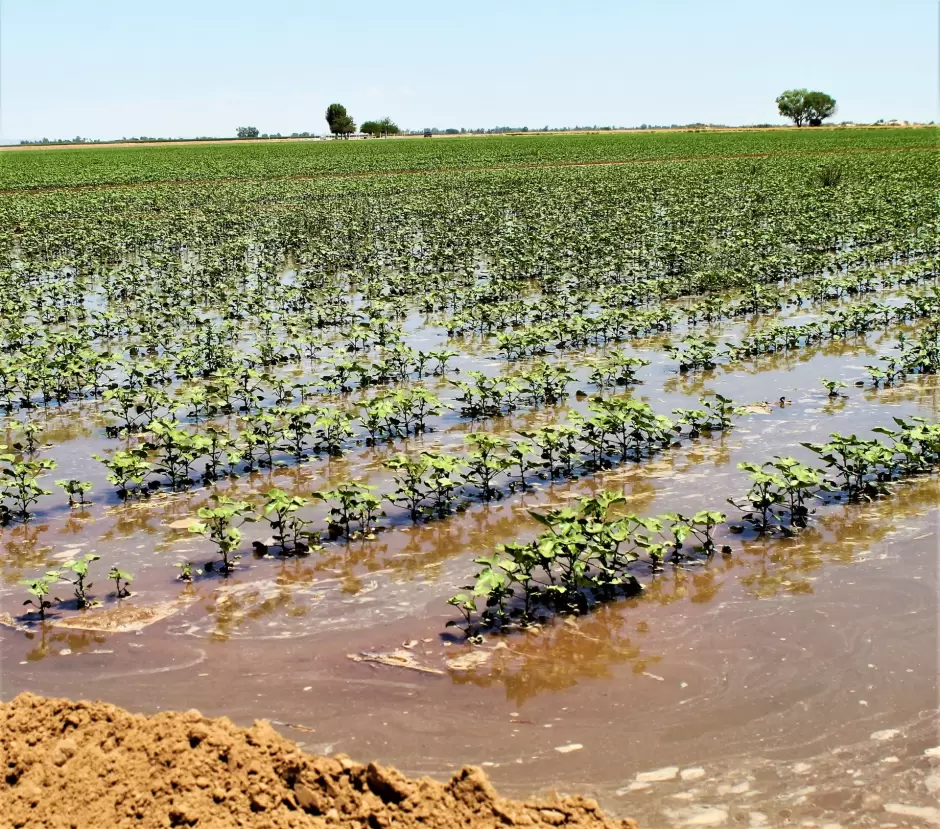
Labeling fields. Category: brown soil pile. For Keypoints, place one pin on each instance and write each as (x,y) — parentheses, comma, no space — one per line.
(89,764)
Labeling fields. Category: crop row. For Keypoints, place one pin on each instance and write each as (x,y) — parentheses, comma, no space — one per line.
(590,552)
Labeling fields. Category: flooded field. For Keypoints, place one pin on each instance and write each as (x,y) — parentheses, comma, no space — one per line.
(752,674)
(739,670)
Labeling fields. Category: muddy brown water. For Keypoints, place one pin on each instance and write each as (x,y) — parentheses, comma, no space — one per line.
(792,683)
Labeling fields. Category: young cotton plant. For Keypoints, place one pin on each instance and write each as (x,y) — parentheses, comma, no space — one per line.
(289,529)
(79,571)
(220,524)
(862,465)
(351,503)
(122,580)
(486,462)
(19,485)
(127,470)
(39,591)
(75,489)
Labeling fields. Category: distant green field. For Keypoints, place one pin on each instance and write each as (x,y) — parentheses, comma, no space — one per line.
(127,165)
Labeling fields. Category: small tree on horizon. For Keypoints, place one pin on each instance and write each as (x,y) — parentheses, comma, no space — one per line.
(388,126)
(247,132)
(339,121)
(802,106)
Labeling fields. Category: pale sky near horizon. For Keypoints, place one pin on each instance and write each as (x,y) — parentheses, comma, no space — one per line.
(113,68)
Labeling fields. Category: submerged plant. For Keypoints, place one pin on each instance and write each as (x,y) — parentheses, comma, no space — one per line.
(122,580)
(75,489)
(351,503)
(218,524)
(79,570)
(39,590)
(289,529)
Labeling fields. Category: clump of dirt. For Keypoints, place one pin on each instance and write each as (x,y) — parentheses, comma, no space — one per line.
(90,764)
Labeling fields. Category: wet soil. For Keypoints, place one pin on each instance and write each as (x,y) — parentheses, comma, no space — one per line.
(81,764)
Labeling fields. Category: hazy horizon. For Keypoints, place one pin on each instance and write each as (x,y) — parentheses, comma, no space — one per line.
(187,70)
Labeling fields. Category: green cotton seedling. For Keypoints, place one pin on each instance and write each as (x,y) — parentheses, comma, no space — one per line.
(19,484)
(800,483)
(379,418)
(467,606)
(832,386)
(75,489)
(186,570)
(487,461)
(444,476)
(442,356)
(121,579)
(127,470)
(39,590)
(298,428)
(763,500)
(555,443)
(218,525)
(351,503)
(332,429)
(862,465)
(29,444)
(616,369)
(264,432)
(720,411)
(289,529)
(917,443)
(218,442)
(79,569)
(414,406)
(519,452)
(412,486)
(482,398)
(694,354)
(625,427)
(544,383)
(493,584)
(123,405)
(699,526)
(695,419)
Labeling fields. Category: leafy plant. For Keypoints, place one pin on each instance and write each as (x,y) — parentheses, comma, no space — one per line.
(39,590)
(79,570)
(218,524)
(351,503)
(122,580)
(75,489)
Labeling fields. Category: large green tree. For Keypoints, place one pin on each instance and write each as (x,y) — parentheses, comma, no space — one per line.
(802,106)
(819,105)
(339,120)
(792,104)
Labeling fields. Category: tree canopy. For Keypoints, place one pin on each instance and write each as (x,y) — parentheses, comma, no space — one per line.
(339,120)
(247,132)
(384,127)
(802,106)
(819,105)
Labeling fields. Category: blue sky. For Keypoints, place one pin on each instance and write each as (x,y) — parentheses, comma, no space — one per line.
(112,68)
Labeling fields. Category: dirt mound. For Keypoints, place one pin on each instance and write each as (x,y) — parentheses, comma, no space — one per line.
(90,764)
